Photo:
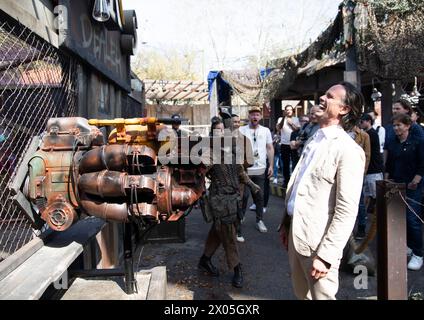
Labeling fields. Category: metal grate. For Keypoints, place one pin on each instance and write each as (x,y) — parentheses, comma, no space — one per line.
(36,82)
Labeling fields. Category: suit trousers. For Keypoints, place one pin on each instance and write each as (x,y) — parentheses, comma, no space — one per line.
(304,286)
(225,234)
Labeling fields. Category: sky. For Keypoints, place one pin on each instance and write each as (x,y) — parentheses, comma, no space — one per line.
(227,34)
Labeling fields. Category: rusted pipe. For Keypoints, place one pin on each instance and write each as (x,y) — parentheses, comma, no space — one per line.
(111,157)
(117,158)
(104,183)
(108,211)
(183,197)
(108,183)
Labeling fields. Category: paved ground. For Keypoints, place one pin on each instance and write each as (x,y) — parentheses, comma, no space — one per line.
(265,265)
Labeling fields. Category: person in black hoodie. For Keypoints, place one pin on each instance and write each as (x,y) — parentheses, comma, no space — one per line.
(374,173)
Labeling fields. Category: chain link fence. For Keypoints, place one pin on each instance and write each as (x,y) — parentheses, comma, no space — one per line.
(36,82)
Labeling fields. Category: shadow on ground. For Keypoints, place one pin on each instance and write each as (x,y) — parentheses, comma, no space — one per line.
(265,265)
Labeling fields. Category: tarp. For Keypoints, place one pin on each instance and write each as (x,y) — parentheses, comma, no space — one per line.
(247,84)
(224,88)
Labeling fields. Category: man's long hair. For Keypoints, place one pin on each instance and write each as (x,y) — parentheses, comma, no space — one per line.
(355,100)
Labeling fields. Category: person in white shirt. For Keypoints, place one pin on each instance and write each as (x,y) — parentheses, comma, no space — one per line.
(263,152)
(323,196)
(380,131)
(287,125)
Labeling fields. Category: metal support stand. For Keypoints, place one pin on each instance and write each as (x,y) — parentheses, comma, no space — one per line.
(130,281)
(127,271)
(391,241)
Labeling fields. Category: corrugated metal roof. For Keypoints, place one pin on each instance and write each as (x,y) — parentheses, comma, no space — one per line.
(174,90)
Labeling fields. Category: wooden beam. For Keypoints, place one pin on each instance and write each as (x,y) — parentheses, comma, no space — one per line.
(181,90)
(49,263)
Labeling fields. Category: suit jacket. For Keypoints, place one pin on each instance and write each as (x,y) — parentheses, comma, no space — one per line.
(327,198)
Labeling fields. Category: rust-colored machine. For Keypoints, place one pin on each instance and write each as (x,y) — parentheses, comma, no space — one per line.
(74,172)
(141,176)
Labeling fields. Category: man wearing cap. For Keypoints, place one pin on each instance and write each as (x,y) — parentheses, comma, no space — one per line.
(263,152)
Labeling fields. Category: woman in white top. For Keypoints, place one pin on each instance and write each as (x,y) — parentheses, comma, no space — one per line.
(287,125)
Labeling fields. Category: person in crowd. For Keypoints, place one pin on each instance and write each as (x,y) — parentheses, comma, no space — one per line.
(295,138)
(309,130)
(380,131)
(323,195)
(414,117)
(287,125)
(262,170)
(176,124)
(404,107)
(405,164)
(277,154)
(223,206)
(374,174)
(363,140)
(236,121)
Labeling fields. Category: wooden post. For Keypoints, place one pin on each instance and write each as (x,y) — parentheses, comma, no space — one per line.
(386,102)
(276,112)
(316,97)
(352,74)
(391,241)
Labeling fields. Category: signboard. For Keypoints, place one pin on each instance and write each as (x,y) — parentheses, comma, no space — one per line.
(94,43)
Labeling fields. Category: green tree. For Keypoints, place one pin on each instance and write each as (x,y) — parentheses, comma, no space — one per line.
(152,63)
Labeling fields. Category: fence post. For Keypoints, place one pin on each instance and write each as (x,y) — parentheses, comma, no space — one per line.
(391,241)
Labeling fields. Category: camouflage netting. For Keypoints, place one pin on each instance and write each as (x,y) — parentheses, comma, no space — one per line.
(390,44)
(389,40)
(286,69)
(246,84)
(388,36)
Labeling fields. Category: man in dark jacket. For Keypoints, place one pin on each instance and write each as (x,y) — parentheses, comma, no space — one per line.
(374,173)
(403,107)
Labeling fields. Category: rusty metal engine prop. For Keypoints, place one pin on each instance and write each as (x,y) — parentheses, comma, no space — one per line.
(74,172)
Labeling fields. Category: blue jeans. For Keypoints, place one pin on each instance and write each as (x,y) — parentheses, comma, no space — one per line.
(278,164)
(414,236)
(362,212)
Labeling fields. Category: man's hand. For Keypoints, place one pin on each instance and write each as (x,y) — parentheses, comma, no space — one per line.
(255,188)
(284,238)
(319,268)
(270,172)
(413,185)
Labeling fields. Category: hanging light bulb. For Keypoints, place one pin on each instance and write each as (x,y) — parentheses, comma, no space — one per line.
(101,10)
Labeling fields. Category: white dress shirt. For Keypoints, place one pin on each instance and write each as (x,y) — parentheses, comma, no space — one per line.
(307,155)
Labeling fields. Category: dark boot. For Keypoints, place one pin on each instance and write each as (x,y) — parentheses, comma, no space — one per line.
(205,264)
(238,277)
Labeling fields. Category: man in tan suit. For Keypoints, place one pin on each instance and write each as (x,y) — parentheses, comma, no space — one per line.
(323,195)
